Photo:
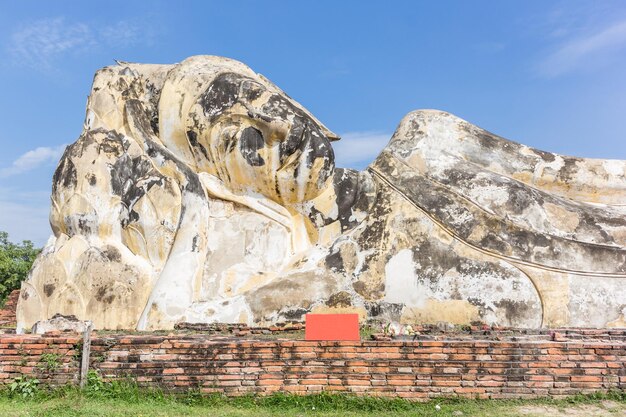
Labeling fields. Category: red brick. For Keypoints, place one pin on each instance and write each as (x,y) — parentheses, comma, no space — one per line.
(270,382)
(173,371)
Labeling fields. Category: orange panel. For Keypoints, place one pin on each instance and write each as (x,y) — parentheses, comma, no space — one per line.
(332,327)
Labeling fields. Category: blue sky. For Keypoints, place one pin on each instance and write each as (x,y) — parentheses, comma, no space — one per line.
(548,74)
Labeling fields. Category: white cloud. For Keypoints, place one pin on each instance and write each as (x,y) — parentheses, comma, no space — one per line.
(597,47)
(122,33)
(33,159)
(358,149)
(39,43)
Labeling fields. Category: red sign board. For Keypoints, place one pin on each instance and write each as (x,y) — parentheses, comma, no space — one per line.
(331,327)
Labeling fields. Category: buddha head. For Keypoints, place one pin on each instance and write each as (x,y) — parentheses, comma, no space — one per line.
(239,127)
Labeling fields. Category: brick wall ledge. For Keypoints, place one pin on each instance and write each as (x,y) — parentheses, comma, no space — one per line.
(410,369)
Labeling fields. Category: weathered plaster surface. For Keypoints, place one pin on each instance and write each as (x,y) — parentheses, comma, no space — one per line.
(200,192)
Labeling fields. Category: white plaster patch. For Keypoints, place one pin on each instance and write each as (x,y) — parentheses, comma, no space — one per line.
(401,281)
(595,301)
(614,167)
(489,195)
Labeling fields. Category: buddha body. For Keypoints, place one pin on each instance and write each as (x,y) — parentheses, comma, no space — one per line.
(200,192)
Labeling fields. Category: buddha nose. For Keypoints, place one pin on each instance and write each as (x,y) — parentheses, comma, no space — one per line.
(316,145)
(332,136)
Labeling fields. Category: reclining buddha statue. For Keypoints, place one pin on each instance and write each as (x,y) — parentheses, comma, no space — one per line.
(200,192)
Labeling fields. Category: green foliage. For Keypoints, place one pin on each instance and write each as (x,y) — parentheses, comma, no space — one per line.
(388,330)
(125,389)
(16,259)
(49,362)
(24,386)
(78,351)
(366,332)
(95,384)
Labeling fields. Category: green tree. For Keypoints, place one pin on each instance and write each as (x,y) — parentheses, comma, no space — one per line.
(16,259)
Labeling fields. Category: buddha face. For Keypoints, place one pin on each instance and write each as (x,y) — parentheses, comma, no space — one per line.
(256,140)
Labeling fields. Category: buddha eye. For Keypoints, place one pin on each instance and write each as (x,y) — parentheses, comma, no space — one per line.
(274,129)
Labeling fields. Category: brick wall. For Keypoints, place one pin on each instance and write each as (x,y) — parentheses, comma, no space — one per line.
(7,312)
(421,369)
(33,356)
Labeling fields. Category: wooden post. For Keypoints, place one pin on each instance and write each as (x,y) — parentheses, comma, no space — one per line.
(84,363)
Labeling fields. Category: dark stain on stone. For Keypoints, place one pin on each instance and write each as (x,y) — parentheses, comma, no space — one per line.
(194,185)
(588,225)
(250,142)
(221,95)
(294,314)
(251,90)
(521,198)
(193,140)
(377,230)
(493,242)
(70,175)
(469,267)
(291,143)
(92,180)
(113,146)
(546,156)
(458,177)
(58,173)
(131,179)
(100,293)
(80,224)
(48,289)
(127,172)
(112,254)
(339,299)
(389,311)
(334,261)
(515,311)
(567,171)
(487,140)
(155,150)
(65,175)
(369,292)
(154,94)
(281,108)
(354,191)
(133,217)
(360,287)
(433,258)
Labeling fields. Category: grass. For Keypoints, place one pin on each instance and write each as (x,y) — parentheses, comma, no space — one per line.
(127,399)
